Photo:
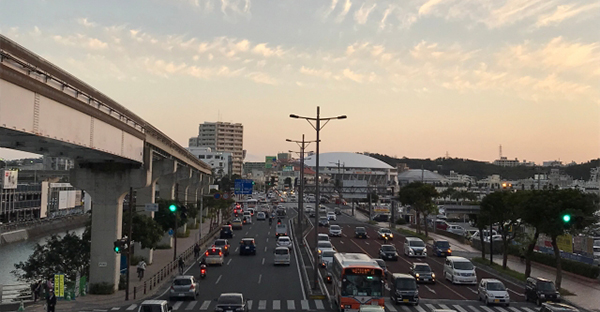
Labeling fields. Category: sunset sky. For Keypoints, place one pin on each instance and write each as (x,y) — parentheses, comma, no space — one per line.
(416,78)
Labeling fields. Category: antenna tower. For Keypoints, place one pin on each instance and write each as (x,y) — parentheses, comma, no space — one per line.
(500,151)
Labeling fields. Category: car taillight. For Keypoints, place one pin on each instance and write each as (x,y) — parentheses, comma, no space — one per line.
(192,286)
(220,253)
(207,253)
(449,250)
(202,271)
(172,288)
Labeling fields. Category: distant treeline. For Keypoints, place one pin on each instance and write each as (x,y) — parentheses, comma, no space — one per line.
(481,170)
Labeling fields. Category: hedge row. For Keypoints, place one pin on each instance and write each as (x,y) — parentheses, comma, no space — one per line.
(567,265)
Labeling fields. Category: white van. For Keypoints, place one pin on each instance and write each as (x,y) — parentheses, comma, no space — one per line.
(459,270)
(281,255)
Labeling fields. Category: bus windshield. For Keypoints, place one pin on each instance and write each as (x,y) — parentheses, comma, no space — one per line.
(362,285)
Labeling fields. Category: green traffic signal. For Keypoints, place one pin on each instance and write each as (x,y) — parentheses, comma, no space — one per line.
(566,218)
(117,247)
(172,207)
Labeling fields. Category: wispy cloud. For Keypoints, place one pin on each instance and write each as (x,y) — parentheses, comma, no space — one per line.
(429,6)
(564,12)
(362,15)
(346,8)
(85,22)
(385,16)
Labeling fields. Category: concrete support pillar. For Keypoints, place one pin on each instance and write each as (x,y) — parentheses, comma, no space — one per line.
(146,195)
(107,184)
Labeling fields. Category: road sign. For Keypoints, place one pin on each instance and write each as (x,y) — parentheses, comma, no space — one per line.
(151,207)
(225,195)
(217,196)
(243,187)
(170,232)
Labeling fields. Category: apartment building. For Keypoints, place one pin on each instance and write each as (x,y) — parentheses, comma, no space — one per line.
(222,137)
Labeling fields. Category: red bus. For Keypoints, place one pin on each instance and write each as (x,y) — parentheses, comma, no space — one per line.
(357,280)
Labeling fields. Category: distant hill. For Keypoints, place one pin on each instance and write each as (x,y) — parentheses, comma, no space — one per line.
(480,169)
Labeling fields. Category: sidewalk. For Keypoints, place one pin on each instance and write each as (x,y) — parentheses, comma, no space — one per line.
(587,290)
(161,259)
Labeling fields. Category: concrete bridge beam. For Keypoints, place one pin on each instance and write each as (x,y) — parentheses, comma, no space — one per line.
(107,184)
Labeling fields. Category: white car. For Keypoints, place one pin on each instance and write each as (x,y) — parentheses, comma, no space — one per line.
(284,241)
(492,291)
(456,229)
(331,216)
(261,216)
(335,230)
(322,209)
(322,237)
(322,245)
(326,257)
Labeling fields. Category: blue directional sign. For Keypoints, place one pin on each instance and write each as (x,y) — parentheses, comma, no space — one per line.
(243,187)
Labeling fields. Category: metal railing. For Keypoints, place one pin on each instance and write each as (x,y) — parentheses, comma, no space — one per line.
(15,293)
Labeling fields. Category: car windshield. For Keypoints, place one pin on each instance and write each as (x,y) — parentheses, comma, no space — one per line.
(362,285)
(388,248)
(416,243)
(281,251)
(422,268)
(406,284)
(386,231)
(328,253)
(495,286)
(360,230)
(220,243)
(335,227)
(182,281)
(463,265)
(229,299)
(323,237)
(442,244)
(324,245)
(323,219)
(546,286)
(284,240)
(381,263)
(247,242)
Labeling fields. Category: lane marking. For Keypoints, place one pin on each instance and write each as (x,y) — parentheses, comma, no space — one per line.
(367,243)
(205,305)
(460,309)
(246,233)
(249,302)
(115,308)
(262,304)
(516,293)
(263,261)
(501,309)
(291,305)
(267,237)
(405,308)
(228,261)
(218,279)
(259,278)
(527,309)
(236,249)
(514,309)
(487,309)
(191,305)
(177,305)
(304,304)
(265,248)
(473,291)
(319,304)
(276,305)
(269,233)
(431,290)
(475,309)
(131,307)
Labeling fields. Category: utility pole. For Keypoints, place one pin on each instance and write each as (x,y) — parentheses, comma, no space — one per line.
(175,230)
(130,244)
(303,144)
(393,206)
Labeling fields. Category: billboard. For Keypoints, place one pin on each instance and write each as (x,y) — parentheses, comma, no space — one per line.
(9,179)
(269,160)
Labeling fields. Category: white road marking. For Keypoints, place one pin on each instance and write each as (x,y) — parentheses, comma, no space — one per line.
(276,305)
(431,290)
(405,308)
(460,309)
(265,248)
(444,307)
(236,249)
(390,307)
(501,309)
(131,307)
(304,304)
(259,278)
(475,309)
(249,304)
(420,309)
(487,309)
(115,308)
(341,242)
(262,304)
(527,309)
(263,261)
(228,261)
(177,305)
(269,233)
(516,293)
(291,305)
(267,239)
(205,305)
(367,243)
(430,307)
(514,309)
(218,279)
(319,304)
(191,305)
(472,290)
(246,233)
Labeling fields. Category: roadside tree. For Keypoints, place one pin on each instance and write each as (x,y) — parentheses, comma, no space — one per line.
(420,197)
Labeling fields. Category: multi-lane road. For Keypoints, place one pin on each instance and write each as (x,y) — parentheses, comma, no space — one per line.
(279,288)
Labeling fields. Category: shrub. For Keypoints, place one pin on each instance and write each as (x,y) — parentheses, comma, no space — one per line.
(184,235)
(401,221)
(163,246)
(122,281)
(102,288)
(575,267)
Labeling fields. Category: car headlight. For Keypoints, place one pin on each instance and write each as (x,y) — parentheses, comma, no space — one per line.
(507,295)
(411,251)
(557,295)
(542,296)
(456,274)
(417,275)
(391,235)
(433,275)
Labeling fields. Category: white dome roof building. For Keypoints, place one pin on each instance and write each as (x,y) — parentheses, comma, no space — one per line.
(420,175)
(354,166)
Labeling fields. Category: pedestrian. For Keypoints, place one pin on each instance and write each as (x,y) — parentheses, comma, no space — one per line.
(181,264)
(141,268)
(196,251)
(51,302)
(38,290)
(32,287)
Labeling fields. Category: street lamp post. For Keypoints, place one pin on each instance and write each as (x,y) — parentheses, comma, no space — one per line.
(317,126)
(303,145)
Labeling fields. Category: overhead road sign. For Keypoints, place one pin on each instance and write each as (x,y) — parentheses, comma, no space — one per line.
(243,187)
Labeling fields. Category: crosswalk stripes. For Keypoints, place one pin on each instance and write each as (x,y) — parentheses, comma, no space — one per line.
(443,306)
(502,309)
(191,305)
(487,309)
(249,303)
(430,307)
(304,304)
(390,306)
(116,308)
(262,304)
(527,309)
(461,309)
(205,305)
(291,305)
(514,309)
(473,308)
(276,305)
(177,305)
(131,307)
(420,309)
(319,304)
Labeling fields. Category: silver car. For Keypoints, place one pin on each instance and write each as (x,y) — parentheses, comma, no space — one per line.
(184,286)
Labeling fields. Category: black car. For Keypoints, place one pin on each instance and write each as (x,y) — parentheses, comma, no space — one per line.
(540,290)
(404,289)
(388,252)
(383,266)
(441,248)
(226,232)
(231,302)
(360,232)
(381,217)
(224,245)
(323,221)
(422,272)
(337,211)
(247,246)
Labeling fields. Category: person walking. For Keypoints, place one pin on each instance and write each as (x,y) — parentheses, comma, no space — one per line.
(141,268)
(181,264)
(51,302)
(196,250)
(38,290)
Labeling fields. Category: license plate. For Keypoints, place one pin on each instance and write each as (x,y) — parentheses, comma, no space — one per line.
(247,247)
(405,300)
(181,295)
(228,310)
(496,300)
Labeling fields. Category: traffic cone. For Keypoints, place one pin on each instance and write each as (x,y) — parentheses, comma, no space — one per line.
(21,306)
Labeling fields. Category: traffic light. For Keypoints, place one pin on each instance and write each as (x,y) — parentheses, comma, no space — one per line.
(173,208)
(117,247)
(253,182)
(566,218)
(121,244)
(183,212)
